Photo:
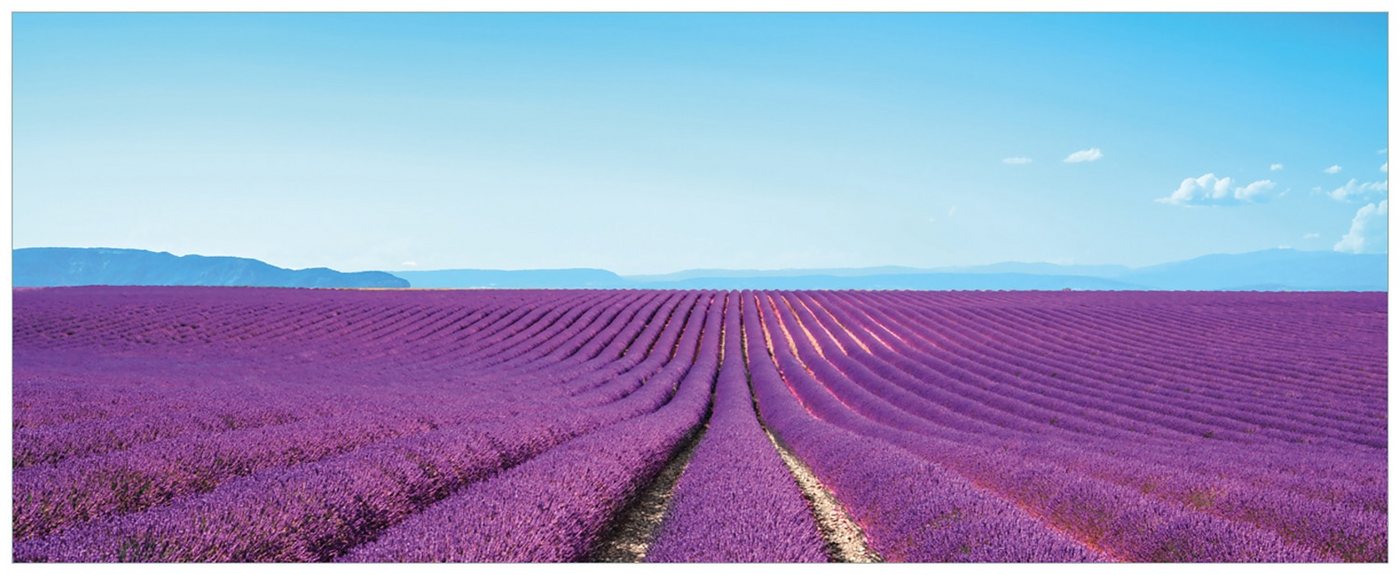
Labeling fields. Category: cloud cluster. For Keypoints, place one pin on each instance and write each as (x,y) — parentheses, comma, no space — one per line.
(1089,155)
(1368,231)
(1355,188)
(1369,226)
(1211,190)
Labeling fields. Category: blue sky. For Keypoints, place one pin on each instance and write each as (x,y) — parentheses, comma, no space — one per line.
(653,143)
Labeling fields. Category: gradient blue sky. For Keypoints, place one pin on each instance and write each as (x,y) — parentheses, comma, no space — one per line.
(653,143)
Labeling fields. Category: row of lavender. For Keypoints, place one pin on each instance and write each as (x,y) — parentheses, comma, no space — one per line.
(254,425)
(391,442)
(1092,440)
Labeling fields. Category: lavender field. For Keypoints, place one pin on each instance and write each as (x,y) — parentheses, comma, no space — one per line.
(259,424)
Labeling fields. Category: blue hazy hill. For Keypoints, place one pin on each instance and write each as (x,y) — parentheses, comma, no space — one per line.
(1269,270)
(49,267)
(904,281)
(524,279)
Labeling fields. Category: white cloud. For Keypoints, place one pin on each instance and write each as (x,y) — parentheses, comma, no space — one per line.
(1211,190)
(1354,188)
(409,264)
(952,211)
(1368,231)
(1385,167)
(1382,151)
(1016,160)
(1334,168)
(1311,236)
(1275,167)
(1253,190)
(1089,155)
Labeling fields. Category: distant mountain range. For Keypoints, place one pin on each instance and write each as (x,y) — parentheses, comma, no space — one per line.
(49,267)
(1269,270)
(911,280)
(563,278)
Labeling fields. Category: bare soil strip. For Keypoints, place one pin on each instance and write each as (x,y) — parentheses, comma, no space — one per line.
(633,531)
(845,542)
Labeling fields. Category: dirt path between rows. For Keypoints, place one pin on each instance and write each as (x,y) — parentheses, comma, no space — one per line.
(634,530)
(845,542)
